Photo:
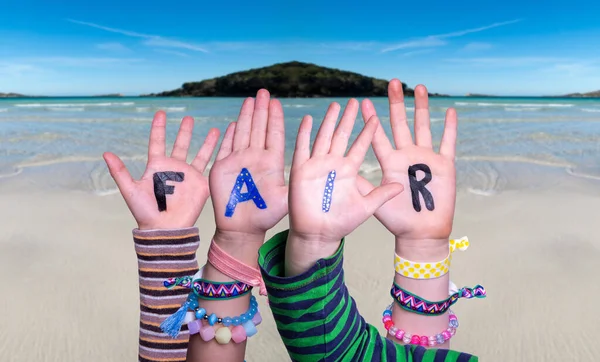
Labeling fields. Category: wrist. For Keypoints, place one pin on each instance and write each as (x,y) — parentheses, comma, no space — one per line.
(164,226)
(303,251)
(423,250)
(242,246)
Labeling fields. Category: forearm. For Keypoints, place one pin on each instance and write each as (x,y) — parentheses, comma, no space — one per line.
(434,289)
(163,254)
(199,350)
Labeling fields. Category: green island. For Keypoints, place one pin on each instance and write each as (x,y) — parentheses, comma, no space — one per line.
(288,80)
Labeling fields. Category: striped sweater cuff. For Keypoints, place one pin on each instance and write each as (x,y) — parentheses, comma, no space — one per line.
(271,259)
(163,254)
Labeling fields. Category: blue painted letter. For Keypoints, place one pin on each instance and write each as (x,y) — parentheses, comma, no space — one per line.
(328,191)
(237,196)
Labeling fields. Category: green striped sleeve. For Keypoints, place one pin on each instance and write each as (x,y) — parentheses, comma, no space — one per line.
(318,320)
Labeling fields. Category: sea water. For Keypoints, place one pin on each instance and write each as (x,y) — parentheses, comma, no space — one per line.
(504,143)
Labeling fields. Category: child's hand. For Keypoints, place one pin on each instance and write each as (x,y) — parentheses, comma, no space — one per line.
(171,192)
(247,181)
(325,202)
(433,186)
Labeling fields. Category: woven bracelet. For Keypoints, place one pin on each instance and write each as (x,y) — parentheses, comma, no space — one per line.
(418,305)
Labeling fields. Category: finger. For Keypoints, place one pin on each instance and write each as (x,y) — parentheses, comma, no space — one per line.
(182,142)
(422,125)
(382,194)
(398,120)
(342,133)
(363,141)
(156,146)
(227,143)
(276,129)
(323,140)
(206,151)
(363,185)
(260,117)
(241,137)
(448,145)
(381,143)
(302,150)
(119,173)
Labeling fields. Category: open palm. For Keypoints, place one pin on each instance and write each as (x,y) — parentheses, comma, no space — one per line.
(325,202)
(183,205)
(252,147)
(414,214)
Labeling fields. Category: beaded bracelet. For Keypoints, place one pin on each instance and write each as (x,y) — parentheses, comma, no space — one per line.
(429,270)
(418,305)
(244,325)
(415,339)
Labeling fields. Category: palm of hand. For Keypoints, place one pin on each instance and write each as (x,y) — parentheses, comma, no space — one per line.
(256,142)
(183,199)
(267,175)
(307,190)
(183,206)
(399,214)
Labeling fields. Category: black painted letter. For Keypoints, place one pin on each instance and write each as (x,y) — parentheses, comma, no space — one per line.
(161,189)
(418,186)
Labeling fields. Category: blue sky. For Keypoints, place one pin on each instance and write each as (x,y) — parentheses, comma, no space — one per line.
(132,47)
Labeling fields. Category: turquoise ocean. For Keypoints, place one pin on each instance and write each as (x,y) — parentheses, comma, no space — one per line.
(504,143)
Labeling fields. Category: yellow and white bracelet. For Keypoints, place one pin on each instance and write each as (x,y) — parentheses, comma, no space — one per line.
(429,270)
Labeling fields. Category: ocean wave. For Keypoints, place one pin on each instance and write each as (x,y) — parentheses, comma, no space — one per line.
(482,192)
(73,159)
(142,109)
(483,104)
(591,110)
(106,192)
(68,105)
(571,171)
(296,105)
(173,109)
(522,109)
(15,172)
(516,159)
(3,110)
(65,109)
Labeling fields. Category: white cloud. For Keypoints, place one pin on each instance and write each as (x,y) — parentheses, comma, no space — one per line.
(437,40)
(507,61)
(477,46)
(171,52)
(113,47)
(16,69)
(476,30)
(429,41)
(417,52)
(151,40)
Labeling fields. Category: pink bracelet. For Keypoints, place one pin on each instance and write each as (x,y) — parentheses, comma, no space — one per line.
(234,268)
(424,341)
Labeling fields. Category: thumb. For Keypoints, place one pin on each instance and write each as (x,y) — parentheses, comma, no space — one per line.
(119,173)
(363,185)
(382,194)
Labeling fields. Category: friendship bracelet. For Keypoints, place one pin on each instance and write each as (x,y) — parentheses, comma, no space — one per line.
(429,270)
(208,289)
(413,303)
(415,339)
(244,325)
(234,268)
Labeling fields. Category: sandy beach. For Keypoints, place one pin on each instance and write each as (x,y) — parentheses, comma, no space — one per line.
(70,294)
